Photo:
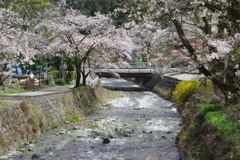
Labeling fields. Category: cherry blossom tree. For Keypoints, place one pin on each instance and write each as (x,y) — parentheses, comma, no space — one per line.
(81,37)
(216,26)
(16,19)
(7,33)
(9,42)
(151,40)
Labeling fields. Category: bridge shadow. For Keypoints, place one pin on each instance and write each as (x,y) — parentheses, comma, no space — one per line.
(129,89)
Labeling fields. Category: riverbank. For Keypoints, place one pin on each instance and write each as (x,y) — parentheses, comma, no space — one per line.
(135,125)
(211,128)
(25,117)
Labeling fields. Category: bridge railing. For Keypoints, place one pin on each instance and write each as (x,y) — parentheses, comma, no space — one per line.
(94,78)
(132,68)
(132,65)
(139,65)
(151,70)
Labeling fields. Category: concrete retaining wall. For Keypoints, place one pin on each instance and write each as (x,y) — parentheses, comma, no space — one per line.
(162,85)
(26,117)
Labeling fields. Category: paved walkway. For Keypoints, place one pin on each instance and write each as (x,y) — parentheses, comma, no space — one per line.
(45,91)
(181,77)
(184,76)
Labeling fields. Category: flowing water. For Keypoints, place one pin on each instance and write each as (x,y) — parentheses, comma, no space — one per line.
(137,126)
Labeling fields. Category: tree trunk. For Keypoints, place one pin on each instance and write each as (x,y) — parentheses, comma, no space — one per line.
(83,64)
(78,76)
(84,77)
(84,82)
(61,66)
(84,74)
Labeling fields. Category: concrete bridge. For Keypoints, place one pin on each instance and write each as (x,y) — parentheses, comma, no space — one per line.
(145,70)
(126,73)
(134,70)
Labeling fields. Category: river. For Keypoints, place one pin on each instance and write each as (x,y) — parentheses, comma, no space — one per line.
(137,126)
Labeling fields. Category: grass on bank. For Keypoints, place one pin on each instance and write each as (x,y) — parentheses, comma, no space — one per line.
(19,90)
(221,116)
(109,94)
(217,114)
(93,126)
(4,103)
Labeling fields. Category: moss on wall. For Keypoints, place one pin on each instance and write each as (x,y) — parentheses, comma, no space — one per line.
(26,120)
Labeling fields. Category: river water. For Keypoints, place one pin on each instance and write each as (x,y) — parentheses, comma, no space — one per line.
(137,126)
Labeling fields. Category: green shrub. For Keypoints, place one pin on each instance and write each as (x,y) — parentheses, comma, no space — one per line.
(54,73)
(216,114)
(222,123)
(209,83)
(73,118)
(68,82)
(207,107)
(76,117)
(184,89)
(60,82)
(217,118)
(73,75)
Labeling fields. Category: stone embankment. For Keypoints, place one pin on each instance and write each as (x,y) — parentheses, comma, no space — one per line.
(158,84)
(164,86)
(24,117)
(133,125)
(199,137)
